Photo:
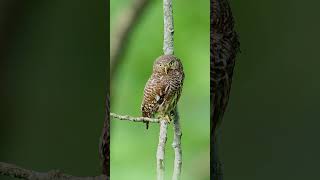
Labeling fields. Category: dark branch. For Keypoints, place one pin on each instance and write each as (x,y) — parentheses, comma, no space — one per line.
(19,172)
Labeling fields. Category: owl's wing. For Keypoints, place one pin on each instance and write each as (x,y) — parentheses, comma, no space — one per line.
(177,84)
(154,93)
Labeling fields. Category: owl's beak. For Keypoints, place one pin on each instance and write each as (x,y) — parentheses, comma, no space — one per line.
(166,69)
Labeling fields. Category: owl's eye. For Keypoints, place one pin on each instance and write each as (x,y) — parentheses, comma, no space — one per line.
(171,63)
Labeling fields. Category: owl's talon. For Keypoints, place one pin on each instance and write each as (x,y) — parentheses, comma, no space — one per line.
(172,113)
(168,119)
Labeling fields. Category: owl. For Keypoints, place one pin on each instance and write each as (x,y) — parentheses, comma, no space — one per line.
(163,89)
(224,46)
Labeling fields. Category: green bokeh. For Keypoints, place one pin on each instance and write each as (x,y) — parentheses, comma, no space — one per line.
(133,148)
(271,128)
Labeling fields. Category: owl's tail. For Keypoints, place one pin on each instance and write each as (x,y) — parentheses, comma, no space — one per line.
(147,125)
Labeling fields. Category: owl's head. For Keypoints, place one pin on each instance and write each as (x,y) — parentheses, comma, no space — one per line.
(166,64)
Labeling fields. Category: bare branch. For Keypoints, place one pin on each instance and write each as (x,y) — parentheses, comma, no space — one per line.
(168,49)
(134,119)
(19,172)
(168,27)
(161,150)
(176,145)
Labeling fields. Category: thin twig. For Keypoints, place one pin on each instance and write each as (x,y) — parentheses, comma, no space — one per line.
(19,172)
(134,119)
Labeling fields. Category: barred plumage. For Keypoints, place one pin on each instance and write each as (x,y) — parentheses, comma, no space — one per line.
(163,89)
(224,46)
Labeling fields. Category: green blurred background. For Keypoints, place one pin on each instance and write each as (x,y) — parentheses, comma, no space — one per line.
(271,128)
(133,148)
(54,67)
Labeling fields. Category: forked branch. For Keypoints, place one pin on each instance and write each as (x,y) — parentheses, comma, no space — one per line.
(168,49)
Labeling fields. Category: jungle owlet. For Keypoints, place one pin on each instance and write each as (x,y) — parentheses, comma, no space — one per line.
(224,46)
(163,89)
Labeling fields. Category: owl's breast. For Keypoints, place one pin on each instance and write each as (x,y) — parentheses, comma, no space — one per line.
(168,104)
